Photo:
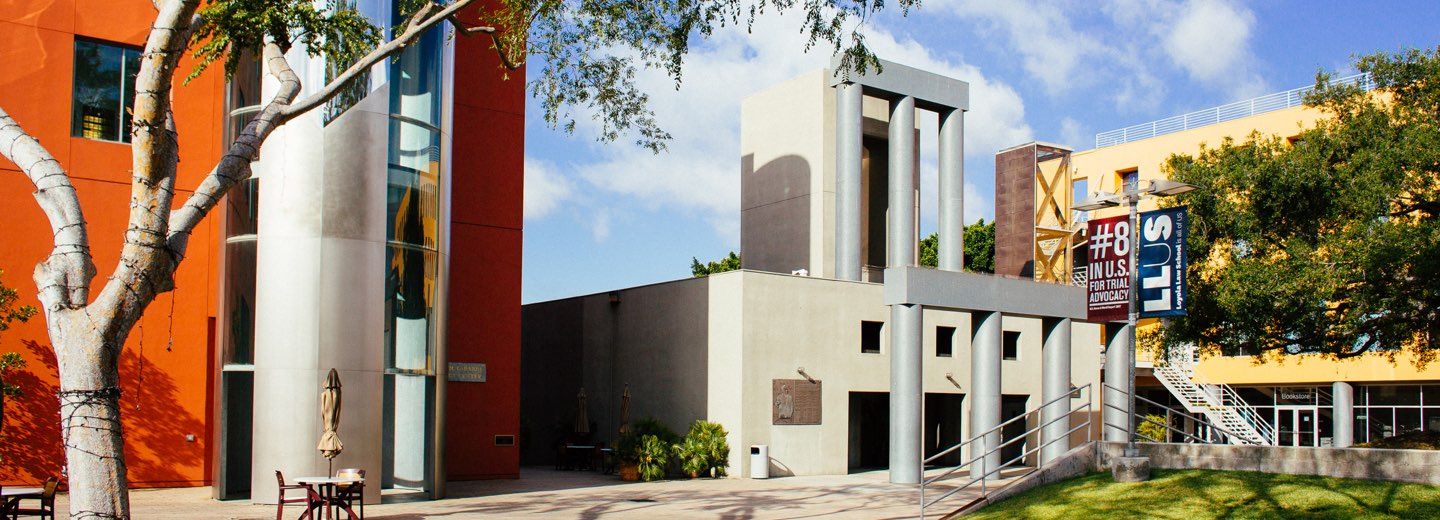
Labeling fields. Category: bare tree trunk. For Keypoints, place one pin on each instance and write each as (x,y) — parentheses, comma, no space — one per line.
(90,413)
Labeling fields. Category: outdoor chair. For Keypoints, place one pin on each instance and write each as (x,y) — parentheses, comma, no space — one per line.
(311,499)
(348,494)
(47,503)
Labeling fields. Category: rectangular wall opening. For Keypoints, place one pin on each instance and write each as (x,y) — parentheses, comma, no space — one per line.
(869,431)
(943,419)
(944,341)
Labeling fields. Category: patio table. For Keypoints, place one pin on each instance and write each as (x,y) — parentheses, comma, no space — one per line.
(325,487)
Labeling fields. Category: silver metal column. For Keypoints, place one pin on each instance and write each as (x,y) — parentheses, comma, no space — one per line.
(1054,386)
(1342,395)
(848,106)
(952,190)
(1119,358)
(906,391)
(984,388)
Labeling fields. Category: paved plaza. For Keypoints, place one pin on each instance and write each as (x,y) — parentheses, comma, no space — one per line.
(542,492)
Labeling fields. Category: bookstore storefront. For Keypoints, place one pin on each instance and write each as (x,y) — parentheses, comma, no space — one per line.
(1302,415)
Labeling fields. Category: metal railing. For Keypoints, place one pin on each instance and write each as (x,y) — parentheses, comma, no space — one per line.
(1267,103)
(985,471)
(1184,360)
(1199,420)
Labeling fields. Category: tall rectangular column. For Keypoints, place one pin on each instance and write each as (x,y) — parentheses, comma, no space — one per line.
(848,106)
(1054,389)
(984,390)
(952,190)
(1119,354)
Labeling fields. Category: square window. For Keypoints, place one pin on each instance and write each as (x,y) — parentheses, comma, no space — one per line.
(1129,179)
(103,91)
(1010,346)
(944,341)
(870,336)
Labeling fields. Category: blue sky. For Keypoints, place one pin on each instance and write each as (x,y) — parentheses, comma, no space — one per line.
(602,216)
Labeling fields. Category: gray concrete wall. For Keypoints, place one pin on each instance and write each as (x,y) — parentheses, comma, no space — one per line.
(1419,466)
(654,338)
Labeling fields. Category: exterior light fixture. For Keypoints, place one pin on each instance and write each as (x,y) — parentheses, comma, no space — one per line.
(801,371)
(1098,201)
(1169,188)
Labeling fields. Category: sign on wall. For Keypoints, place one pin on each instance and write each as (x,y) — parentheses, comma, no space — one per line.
(1162,262)
(794,401)
(465,372)
(1108,273)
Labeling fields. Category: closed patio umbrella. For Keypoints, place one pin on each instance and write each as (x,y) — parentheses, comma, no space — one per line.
(625,410)
(582,419)
(330,445)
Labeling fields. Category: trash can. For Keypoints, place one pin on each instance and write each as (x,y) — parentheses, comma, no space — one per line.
(759,461)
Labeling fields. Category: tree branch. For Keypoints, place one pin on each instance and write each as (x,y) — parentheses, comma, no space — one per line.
(64,278)
(234,166)
(412,31)
(494,40)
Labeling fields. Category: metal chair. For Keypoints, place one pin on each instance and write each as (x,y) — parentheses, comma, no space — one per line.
(311,499)
(347,494)
(47,503)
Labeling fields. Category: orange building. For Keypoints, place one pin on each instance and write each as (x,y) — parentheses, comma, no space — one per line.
(186,395)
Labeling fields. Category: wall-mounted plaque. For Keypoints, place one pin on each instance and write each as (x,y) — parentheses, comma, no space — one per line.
(466,372)
(794,401)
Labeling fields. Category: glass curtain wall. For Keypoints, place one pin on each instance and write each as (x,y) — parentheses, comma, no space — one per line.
(412,263)
(236,323)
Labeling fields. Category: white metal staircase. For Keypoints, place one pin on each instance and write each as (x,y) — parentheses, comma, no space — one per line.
(1217,401)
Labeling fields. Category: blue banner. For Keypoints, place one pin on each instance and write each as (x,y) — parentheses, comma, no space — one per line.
(1162,262)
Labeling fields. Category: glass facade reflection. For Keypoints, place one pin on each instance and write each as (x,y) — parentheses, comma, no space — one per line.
(413,198)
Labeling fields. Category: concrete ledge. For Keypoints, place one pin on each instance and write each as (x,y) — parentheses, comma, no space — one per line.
(1419,466)
(1074,463)
(1131,469)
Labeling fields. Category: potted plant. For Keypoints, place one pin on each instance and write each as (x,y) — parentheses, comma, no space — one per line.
(629,448)
(704,451)
(652,457)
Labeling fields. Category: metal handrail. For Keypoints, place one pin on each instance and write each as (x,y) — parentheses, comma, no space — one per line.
(1259,105)
(985,471)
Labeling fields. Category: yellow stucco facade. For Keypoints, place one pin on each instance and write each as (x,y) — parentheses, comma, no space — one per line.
(1103,169)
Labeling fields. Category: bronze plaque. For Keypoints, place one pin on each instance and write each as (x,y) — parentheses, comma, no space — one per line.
(794,401)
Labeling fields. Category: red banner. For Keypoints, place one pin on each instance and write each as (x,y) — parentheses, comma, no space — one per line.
(1108,274)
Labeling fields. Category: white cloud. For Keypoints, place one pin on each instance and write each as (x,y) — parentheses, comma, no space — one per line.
(699,175)
(545,188)
(1073,134)
(600,226)
(1210,40)
(1052,50)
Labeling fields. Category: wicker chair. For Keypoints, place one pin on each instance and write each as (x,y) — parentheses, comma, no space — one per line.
(311,499)
(47,503)
(348,494)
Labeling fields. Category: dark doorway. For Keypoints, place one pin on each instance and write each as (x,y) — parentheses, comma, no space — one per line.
(869,430)
(942,427)
(1012,406)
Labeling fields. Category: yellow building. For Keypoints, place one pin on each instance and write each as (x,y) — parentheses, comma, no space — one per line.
(1299,400)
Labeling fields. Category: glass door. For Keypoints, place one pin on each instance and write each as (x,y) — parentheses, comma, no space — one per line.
(1295,426)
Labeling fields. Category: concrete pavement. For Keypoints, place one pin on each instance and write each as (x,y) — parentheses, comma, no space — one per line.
(542,492)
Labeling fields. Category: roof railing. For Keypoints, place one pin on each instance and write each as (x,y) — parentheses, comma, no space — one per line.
(1222,113)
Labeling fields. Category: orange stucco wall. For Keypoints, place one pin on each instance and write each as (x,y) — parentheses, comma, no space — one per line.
(487,179)
(165,375)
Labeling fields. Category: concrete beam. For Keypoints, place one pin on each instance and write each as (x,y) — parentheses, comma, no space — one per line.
(982,292)
(930,90)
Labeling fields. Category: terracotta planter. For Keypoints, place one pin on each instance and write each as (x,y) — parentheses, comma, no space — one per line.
(629,472)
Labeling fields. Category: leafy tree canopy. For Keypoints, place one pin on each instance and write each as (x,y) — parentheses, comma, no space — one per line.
(979,248)
(1330,244)
(729,263)
(585,53)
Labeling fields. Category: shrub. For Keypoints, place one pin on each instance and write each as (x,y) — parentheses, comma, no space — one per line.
(1147,430)
(652,457)
(704,451)
(627,447)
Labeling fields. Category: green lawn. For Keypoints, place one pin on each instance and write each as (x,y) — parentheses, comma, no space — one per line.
(1202,494)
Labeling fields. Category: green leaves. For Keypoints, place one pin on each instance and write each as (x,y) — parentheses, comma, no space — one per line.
(231,29)
(979,248)
(1328,244)
(729,263)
